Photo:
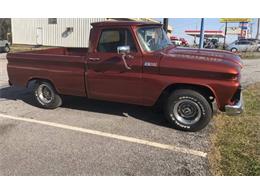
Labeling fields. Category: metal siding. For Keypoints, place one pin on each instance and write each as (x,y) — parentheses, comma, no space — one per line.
(24,31)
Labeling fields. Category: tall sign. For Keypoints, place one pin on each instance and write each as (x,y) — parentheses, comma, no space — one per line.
(243,25)
(235,20)
(244,30)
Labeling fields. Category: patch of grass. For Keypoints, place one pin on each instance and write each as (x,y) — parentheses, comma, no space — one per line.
(236,141)
(250,55)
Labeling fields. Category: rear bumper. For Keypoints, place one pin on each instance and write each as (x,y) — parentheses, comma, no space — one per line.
(237,108)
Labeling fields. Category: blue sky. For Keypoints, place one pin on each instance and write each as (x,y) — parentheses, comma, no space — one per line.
(181,24)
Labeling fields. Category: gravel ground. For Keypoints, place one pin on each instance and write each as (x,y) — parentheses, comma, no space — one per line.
(251,71)
(35,149)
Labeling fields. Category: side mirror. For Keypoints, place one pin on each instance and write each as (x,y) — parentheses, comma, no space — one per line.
(123,49)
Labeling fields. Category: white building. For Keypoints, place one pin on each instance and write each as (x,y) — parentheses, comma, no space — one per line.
(64,32)
(60,32)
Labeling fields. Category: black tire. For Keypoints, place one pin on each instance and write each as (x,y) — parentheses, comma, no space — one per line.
(188,110)
(233,49)
(7,49)
(46,96)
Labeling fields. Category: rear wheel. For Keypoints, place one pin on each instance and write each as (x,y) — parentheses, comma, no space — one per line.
(188,110)
(46,95)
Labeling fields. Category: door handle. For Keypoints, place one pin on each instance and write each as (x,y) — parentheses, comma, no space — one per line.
(94,59)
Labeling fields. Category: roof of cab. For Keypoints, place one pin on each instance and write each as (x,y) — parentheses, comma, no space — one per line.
(125,23)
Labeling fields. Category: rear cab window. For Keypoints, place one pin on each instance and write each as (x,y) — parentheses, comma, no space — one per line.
(110,39)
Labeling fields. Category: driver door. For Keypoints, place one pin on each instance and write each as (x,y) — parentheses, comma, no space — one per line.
(107,76)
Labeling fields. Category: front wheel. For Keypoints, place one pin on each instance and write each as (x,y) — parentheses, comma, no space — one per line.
(188,110)
(46,95)
(234,50)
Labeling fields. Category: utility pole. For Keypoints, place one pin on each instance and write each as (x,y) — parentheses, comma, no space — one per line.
(224,44)
(165,24)
(258,26)
(201,33)
(251,30)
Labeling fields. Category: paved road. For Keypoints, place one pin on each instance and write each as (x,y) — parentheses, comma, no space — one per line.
(34,148)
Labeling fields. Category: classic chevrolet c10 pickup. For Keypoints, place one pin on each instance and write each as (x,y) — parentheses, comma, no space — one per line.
(135,63)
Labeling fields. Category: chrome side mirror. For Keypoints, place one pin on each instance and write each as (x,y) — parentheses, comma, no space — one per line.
(123,49)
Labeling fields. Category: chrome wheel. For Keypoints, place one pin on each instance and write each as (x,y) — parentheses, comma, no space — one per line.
(45,94)
(187,112)
(233,50)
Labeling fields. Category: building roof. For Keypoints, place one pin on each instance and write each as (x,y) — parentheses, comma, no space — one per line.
(124,23)
(207,33)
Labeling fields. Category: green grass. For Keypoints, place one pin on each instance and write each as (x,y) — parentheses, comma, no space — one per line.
(236,141)
(250,55)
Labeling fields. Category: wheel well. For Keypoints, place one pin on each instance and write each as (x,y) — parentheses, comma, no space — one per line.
(33,81)
(203,90)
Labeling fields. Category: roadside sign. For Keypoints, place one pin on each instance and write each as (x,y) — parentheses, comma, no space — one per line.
(243,34)
(235,20)
(243,25)
(233,30)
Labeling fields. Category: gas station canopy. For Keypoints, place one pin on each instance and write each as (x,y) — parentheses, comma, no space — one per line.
(207,33)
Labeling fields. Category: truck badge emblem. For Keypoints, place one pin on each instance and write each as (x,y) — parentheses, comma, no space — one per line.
(150,64)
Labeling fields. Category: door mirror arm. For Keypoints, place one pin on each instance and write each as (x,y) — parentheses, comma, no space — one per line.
(124,51)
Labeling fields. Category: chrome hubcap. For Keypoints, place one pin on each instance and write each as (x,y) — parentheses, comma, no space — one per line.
(45,94)
(187,112)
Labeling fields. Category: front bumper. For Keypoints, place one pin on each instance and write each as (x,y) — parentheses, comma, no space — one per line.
(237,108)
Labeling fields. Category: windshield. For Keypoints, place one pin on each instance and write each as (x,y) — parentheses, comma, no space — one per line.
(153,38)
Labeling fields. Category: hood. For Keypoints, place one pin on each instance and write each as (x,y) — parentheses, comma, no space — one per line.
(202,62)
(208,54)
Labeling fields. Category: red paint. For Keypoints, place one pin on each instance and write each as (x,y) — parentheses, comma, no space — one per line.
(72,73)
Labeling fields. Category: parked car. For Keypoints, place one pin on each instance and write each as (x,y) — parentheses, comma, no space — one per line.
(256,41)
(258,45)
(184,42)
(136,63)
(176,41)
(4,46)
(242,46)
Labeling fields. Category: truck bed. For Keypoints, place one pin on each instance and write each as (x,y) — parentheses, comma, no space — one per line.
(56,54)
(63,66)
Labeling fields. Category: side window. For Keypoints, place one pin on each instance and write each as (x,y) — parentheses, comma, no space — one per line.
(241,43)
(52,20)
(110,39)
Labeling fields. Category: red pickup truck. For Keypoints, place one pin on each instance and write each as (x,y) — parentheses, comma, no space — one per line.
(135,62)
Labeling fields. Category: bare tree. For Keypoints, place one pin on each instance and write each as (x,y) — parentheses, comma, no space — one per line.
(5,28)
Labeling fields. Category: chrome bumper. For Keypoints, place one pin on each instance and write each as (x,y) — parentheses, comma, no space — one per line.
(235,109)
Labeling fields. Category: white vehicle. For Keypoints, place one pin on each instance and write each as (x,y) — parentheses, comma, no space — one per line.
(257,41)
(242,45)
(175,40)
(4,46)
